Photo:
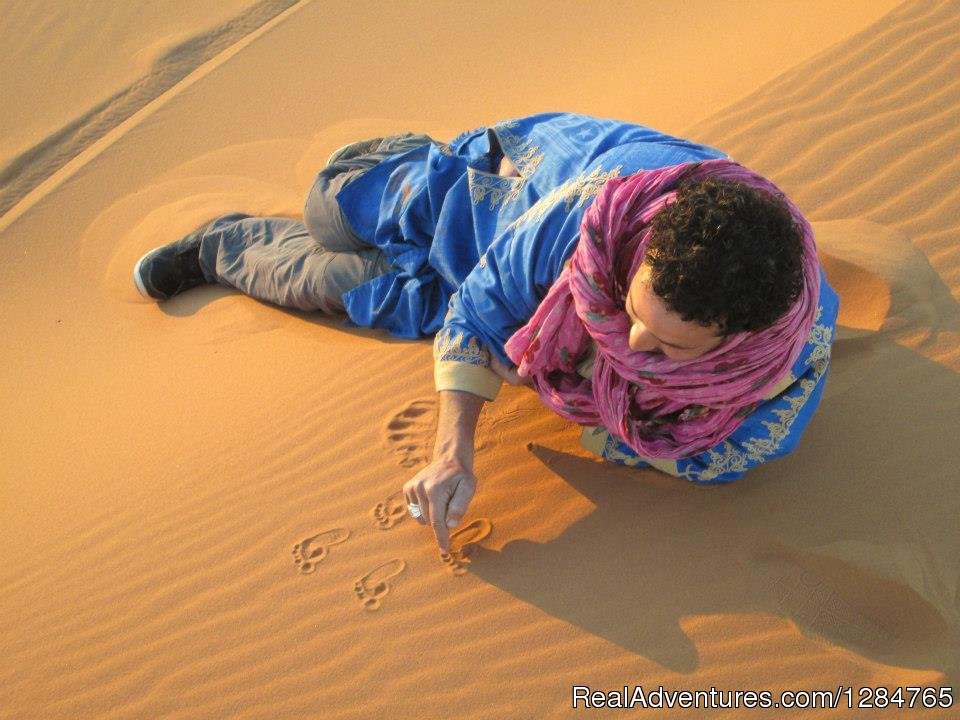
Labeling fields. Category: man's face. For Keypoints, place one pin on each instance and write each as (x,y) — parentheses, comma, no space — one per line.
(655,328)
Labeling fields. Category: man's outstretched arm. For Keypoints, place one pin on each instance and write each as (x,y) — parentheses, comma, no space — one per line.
(445,487)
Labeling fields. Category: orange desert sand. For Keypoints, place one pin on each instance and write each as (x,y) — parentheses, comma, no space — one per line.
(198,508)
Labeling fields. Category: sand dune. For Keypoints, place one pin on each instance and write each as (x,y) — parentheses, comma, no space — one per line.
(167,63)
(866,130)
(199,515)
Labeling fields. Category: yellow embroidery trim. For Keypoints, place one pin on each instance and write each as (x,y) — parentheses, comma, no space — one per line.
(574,193)
(522,152)
(463,363)
(822,338)
(499,190)
(495,188)
(600,442)
(448,347)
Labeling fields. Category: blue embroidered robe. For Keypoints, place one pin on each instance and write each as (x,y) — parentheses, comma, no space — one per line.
(474,253)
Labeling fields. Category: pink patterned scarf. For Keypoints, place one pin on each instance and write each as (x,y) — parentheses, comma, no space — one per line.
(661,408)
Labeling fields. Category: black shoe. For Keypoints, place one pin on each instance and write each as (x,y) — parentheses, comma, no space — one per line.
(166,271)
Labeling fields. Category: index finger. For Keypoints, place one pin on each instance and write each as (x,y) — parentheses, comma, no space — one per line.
(438,522)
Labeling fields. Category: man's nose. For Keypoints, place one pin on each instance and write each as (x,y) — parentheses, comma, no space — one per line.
(641,340)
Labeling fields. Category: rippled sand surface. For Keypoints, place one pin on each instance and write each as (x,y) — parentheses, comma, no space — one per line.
(198,503)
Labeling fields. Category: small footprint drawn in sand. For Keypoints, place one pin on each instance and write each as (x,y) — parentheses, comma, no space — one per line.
(389,512)
(309,551)
(463,541)
(410,432)
(371,588)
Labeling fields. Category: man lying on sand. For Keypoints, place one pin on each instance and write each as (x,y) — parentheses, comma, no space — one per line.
(647,287)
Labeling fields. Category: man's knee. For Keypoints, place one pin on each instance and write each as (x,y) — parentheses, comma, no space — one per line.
(338,273)
(322,214)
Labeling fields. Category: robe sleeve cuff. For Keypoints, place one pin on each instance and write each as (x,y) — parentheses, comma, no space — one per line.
(600,442)
(476,379)
(462,362)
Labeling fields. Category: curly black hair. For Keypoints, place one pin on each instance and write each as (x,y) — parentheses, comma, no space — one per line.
(724,253)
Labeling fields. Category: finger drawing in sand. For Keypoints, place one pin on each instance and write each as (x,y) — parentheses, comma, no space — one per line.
(646,287)
(310,551)
(371,588)
(463,541)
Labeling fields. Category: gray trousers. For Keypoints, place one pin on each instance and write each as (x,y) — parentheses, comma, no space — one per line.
(309,264)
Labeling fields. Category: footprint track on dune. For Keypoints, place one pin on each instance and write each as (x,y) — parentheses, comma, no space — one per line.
(311,550)
(390,512)
(371,588)
(410,432)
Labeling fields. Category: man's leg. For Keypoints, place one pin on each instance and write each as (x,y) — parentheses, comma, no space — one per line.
(321,212)
(276,260)
(305,265)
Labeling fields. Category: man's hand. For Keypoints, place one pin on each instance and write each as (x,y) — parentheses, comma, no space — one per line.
(443,490)
(445,487)
(508,373)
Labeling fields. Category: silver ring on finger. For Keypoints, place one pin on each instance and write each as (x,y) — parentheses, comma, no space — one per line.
(414,510)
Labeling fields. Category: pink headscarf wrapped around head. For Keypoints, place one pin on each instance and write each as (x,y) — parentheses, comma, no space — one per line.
(661,408)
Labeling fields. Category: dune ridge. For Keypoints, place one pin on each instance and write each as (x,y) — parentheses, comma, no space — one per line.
(30,168)
(866,130)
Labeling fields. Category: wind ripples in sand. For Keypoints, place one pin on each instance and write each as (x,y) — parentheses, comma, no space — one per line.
(26,171)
